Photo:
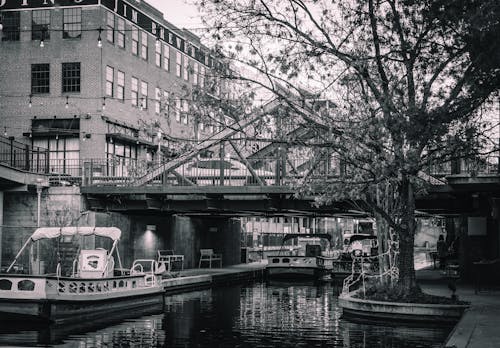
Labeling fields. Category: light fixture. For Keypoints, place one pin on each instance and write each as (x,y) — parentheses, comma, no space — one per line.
(42,44)
(142,103)
(57,136)
(29,102)
(5,132)
(99,40)
(103,103)
(67,104)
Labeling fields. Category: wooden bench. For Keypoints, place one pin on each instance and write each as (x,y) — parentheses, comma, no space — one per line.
(168,258)
(208,255)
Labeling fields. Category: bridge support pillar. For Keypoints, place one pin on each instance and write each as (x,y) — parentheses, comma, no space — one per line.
(1,225)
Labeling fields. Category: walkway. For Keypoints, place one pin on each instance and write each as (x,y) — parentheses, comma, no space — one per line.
(479,327)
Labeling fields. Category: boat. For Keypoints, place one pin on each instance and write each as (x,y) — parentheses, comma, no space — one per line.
(299,266)
(93,289)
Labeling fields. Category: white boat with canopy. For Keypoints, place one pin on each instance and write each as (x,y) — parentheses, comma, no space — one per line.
(300,266)
(92,289)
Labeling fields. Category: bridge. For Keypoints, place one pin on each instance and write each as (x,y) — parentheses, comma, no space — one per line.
(236,179)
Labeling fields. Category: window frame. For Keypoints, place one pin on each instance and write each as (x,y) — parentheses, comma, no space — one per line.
(134,91)
(40,30)
(11,26)
(110,27)
(110,84)
(178,64)
(71,84)
(166,57)
(38,88)
(144,45)
(120,86)
(135,41)
(144,95)
(120,32)
(68,25)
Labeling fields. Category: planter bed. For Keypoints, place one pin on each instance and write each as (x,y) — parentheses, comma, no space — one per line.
(400,311)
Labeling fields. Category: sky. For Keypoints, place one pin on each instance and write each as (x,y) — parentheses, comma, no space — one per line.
(179,12)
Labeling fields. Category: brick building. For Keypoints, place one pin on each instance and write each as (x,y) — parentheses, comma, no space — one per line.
(89,79)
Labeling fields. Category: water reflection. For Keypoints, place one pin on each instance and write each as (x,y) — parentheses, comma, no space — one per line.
(256,315)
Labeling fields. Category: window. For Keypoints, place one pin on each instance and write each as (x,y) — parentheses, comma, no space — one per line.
(64,153)
(166,57)
(158,54)
(110,74)
(135,41)
(72,23)
(166,102)
(178,64)
(110,27)
(40,78)
(195,73)
(134,92)
(144,45)
(122,156)
(120,34)
(178,110)
(202,76)
(157,102)
(185,109)
(11,26)
(185,67)
(144,93)
(40,25)
(71,77)
(120,86)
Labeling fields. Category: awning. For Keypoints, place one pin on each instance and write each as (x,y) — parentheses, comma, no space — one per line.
(54,232)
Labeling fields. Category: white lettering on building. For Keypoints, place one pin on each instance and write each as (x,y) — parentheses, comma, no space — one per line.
(134,16)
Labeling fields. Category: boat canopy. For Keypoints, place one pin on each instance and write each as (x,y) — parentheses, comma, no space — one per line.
(54,232)
(307,235)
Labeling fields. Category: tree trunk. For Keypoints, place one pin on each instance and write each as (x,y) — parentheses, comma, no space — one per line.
(407,283)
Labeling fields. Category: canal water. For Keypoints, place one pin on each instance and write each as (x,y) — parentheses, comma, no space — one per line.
(249,315)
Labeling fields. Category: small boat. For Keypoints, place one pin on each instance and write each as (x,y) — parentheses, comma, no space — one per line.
(91,291)
(298,266)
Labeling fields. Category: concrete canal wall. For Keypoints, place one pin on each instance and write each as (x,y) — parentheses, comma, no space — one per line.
(142,234)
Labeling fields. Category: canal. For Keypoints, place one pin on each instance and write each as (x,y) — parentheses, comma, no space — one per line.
(245,315)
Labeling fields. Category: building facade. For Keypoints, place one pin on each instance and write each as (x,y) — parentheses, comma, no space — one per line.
(101,80)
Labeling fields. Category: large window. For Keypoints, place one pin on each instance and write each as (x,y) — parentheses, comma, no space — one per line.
(11,26)
(71,77)
(135,41)
(195,73)
(144,45)
(157,100)
(185,67)
(166,57)
(72,23)
(40,25)
(158,54)
(40,78)
(178,110)
(120,34)
(120,86)
(134,91)
(110,26)
(122,156)
(144,93)
(202,76)
(178,64)
(110,74)
(64,153)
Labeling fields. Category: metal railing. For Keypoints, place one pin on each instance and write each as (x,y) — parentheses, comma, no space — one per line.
(25,157)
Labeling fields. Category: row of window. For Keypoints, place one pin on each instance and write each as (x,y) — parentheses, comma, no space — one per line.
(40,24)
(40,78)
(115,33)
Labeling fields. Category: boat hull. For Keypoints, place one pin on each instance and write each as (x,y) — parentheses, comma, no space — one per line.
(66,311)
(293,272)
(63,300)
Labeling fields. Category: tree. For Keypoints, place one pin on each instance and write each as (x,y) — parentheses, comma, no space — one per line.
(409,79)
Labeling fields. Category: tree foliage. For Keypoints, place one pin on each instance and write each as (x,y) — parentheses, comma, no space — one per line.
(409,81)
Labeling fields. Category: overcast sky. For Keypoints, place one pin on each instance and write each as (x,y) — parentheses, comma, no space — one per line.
(178,12)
